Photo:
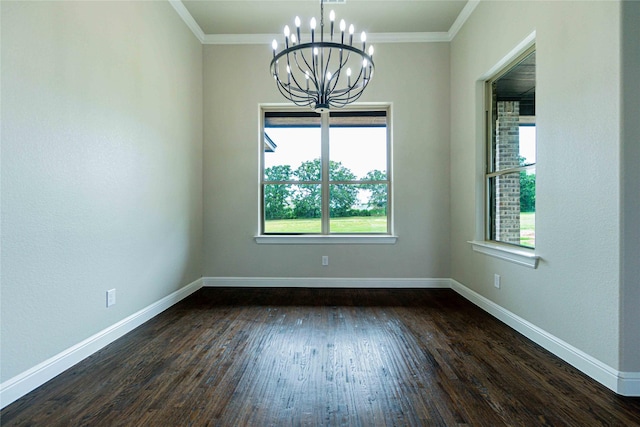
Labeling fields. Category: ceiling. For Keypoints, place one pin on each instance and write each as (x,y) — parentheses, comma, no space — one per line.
(519,84)
(218,17)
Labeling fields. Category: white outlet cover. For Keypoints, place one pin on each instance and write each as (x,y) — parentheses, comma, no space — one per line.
(111,297)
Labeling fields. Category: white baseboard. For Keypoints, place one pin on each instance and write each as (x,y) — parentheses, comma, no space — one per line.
(628,384)
(18,386)
(324,282)
(624,383)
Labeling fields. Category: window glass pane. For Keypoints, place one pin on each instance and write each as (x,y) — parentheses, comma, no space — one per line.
(511,153)
(513,116)
(515,144)
(278,201)
(293,143)
(292,208)
(512,208)
(358,145)
(293,226)
(506,150)
(356,189)
(358,208)
(527,146)
(307,201)
(528,208)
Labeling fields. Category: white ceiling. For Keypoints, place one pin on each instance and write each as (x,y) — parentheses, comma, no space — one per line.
(217,19)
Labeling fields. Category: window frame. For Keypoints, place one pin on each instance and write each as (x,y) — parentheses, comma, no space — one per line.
(489,164)
(325,235)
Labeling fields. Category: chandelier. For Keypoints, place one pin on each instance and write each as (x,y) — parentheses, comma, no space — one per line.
(319,73)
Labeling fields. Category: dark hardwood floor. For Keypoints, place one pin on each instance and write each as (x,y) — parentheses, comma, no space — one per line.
(323,357)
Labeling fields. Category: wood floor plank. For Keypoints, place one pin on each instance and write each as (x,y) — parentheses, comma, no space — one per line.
(322,357)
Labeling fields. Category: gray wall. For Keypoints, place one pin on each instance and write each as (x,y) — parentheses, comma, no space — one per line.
(101,168)
(575,292)
(630,291)
(415,78)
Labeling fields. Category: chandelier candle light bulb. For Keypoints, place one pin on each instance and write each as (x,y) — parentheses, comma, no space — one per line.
(322,66)
(332,17)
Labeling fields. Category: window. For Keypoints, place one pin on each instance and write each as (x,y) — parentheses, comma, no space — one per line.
(511,153)
(325,174)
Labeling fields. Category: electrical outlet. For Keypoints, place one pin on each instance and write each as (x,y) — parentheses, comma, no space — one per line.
(111,297)
(496,280)
(325,260)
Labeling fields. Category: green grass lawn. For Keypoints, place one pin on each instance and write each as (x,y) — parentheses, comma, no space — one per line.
(376,224)
(352,224)
(527,229)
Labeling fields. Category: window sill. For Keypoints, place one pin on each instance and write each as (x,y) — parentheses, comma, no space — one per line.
(349,239)
(520,256)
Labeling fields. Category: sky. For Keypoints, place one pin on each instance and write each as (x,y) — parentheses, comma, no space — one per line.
(359,149)
(528,143)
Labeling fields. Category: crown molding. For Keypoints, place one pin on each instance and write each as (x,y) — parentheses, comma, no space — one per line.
(265,39)
(431,37)
(408,37)
(188,19)
(239,38)
(465,13)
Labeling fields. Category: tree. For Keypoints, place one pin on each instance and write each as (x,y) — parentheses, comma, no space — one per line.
(277,196)
(378,197)
(527,189)
(342,196)
(307,198)
(527,192)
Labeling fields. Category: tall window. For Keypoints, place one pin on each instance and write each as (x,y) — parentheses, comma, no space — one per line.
(325,174)
(511,153)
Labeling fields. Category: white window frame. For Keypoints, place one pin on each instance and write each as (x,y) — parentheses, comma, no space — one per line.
(325,237)
(520,255)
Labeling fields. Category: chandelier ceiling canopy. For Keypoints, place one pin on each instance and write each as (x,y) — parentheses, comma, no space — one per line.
(322,71)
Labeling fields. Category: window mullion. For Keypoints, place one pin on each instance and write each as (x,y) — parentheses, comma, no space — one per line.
(531,166)
(324,136)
